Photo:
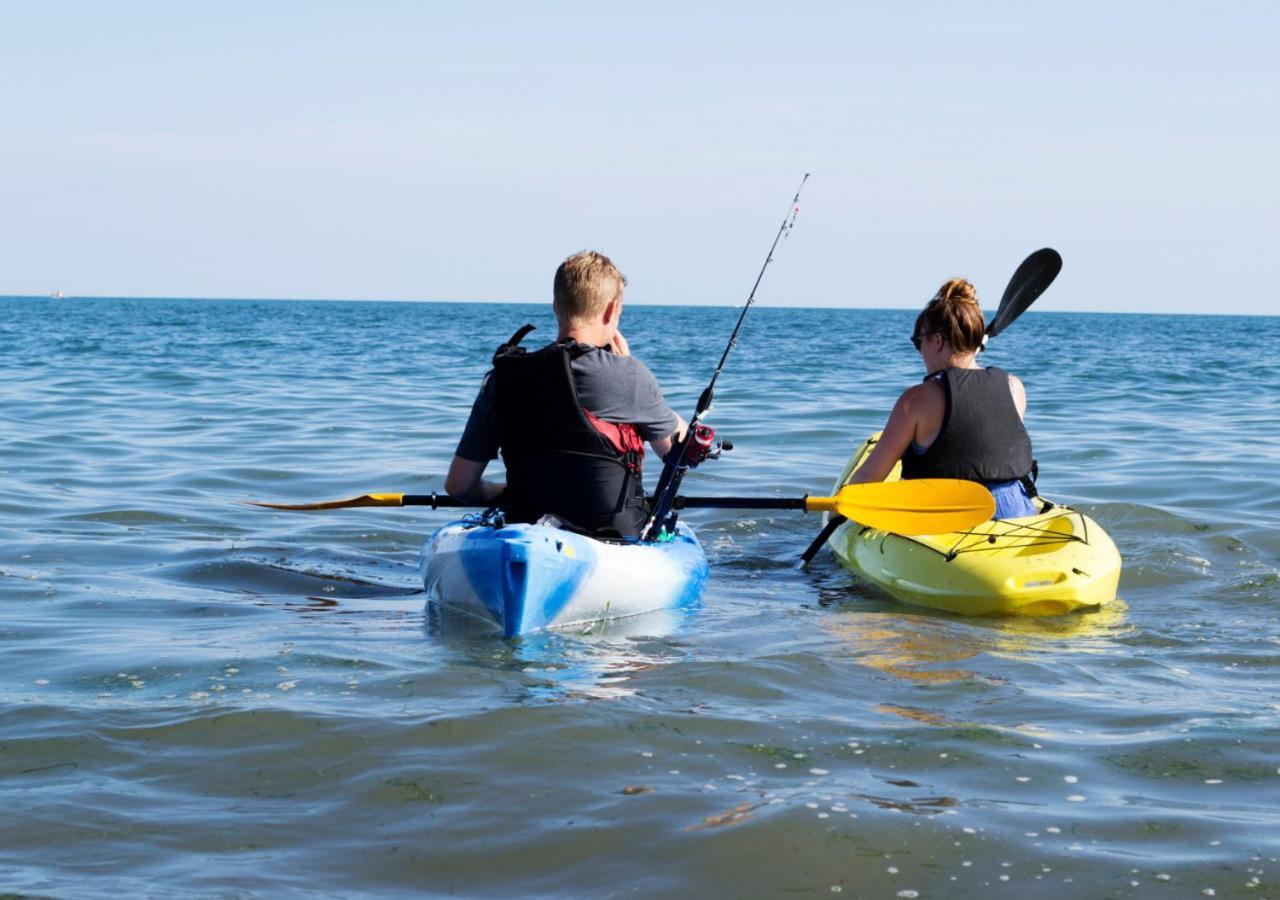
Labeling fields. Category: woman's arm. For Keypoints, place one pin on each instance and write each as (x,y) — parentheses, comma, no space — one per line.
(899,431)
(918,413)
(1019,395)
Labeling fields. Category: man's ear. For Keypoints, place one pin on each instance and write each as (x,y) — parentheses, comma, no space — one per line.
(612,310)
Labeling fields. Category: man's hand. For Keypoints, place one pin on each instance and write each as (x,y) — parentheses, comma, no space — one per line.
(620,345)
(701,444)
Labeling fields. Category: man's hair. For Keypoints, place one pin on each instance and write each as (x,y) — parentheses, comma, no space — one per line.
(584,285)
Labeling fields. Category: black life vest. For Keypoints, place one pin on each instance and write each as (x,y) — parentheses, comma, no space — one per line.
(562,460)
(982,436)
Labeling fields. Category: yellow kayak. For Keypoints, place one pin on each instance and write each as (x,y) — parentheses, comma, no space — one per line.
(1041,565)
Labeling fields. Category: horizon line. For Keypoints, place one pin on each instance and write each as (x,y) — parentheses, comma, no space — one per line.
(150,297)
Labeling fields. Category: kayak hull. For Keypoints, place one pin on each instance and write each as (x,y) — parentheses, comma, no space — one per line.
(1047,564)
(527,577)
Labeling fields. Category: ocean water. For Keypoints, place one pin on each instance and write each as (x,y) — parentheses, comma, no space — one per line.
(200,698)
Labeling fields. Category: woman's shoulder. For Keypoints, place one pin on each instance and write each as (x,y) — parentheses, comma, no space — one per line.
(996,370)
(932,386)
(1015,383)
(926,395)
(1019,393)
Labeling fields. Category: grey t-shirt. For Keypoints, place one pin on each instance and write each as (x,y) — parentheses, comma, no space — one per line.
(618,389)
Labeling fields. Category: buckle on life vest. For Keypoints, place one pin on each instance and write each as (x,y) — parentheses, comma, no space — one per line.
(513,342)
(1029,480)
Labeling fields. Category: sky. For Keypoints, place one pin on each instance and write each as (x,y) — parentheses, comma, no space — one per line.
(432,151)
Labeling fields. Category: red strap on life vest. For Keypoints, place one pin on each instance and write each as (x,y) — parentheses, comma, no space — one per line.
(624,438)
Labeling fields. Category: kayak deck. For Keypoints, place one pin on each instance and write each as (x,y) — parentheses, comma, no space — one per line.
(1051,563)
(528,577)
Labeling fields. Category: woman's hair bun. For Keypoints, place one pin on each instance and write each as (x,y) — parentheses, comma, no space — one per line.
(957,290)
(954,313)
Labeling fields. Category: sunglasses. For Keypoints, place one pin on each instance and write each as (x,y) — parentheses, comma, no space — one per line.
(918,339)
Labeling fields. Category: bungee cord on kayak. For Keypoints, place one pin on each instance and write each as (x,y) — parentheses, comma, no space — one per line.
(1040,531)
(662,517)
(1050,563)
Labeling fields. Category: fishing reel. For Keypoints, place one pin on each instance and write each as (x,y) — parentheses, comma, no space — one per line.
(699,445)
(704,445)
(719,447)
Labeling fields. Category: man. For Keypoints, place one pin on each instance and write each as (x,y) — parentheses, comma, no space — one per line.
(570,419)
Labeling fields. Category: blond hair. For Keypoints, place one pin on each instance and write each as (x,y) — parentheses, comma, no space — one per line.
(584,285)
(954,313)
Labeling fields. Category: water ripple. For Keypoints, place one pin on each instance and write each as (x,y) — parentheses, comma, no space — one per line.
(201,697)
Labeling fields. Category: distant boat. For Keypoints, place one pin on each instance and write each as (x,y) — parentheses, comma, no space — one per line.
(57,295)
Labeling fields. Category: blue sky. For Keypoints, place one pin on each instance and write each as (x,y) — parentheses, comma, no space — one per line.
(397,150)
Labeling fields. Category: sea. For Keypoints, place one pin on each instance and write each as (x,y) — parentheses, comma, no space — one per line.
(201,698)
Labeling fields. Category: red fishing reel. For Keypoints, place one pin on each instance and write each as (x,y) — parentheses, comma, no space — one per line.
(700,444)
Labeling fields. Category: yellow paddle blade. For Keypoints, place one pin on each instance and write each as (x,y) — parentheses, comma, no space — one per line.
(918,506)
(362,500)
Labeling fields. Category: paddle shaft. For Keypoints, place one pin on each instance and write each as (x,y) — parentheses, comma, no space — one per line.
(824,535)
(923,506)
(741,502)
(435,501)
(444,501)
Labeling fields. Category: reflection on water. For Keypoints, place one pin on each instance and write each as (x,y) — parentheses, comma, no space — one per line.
(925,646)
(592,662)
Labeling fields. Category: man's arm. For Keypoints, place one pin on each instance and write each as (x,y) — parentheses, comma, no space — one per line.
(478,445)
(662,446)
(464,482)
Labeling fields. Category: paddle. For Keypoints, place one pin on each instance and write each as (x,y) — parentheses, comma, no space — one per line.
(1028,282)
(434,500)
(919,506)
(922,506)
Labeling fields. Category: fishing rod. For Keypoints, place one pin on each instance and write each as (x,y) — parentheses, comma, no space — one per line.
(663,516)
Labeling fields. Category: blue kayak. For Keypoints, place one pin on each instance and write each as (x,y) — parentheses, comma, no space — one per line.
(523,578)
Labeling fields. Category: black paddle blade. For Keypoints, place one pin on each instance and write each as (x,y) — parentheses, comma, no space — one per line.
(1029,281)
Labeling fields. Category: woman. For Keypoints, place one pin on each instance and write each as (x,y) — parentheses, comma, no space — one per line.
(963,421)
